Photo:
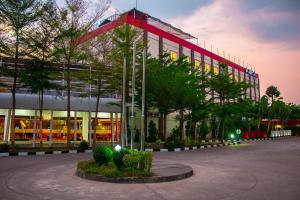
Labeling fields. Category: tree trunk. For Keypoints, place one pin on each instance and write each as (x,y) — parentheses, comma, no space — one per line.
(161,126)
(41,101)
(96,116)
(165,118)
(68,105)
(13,91)
(223,129)
(194,125)
(181,125)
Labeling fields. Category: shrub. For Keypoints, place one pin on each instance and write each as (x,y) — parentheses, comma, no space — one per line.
(132,161)
(102,155)
(173,141)
(83,145)
(118,157)
(152,132)
(4,148)
(146,161)
(138,160)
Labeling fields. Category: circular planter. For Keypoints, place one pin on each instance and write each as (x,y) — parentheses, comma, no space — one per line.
(162,172)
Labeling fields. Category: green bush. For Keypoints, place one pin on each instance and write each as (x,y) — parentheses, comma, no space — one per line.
(146,161)
(4,148)
(152,132)
(173,141)
(132,161)
(138,160)
(102,155)
(83,145)
(118,157)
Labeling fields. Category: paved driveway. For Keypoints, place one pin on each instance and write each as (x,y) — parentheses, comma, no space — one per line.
(258,170)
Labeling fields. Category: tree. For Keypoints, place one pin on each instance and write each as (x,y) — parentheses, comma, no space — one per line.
(16,16)
(39,74)
(97,56)
(123,38)
(262,110)
(226,93)
(72,23)
(152,132)
(272,92)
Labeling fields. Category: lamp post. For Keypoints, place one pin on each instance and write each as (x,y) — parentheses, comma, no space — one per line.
(133,92)
(143,100)
(123,125)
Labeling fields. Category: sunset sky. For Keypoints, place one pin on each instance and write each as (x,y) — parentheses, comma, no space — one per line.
(263,33)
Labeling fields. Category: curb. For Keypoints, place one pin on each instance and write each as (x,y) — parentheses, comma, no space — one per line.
(132,180)
(204,146)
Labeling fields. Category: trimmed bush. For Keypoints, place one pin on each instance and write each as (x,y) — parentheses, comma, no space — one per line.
(118,157)
(83,145)
(4,148)
(146,162)
(102,155)
(138,160)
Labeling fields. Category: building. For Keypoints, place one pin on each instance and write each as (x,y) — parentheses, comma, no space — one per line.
(160,36)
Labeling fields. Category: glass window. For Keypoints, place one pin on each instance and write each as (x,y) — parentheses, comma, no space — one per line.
(207,67)
(197,64)
(2,121)
(153,45)
(197,61)
(174,55)
(172,48)
(187,53)
(215,67)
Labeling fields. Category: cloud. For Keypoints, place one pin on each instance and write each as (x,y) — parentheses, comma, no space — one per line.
(257,37)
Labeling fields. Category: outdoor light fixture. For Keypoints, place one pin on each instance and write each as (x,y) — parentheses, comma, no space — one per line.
(232,136)
(118,148)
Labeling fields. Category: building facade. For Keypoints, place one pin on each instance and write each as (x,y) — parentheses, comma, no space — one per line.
(160,37)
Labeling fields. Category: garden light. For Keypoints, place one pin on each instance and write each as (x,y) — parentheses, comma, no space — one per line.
(118,148)
(232,136)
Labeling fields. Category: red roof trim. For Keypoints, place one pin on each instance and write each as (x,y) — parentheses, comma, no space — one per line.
(103,29)
(144,25)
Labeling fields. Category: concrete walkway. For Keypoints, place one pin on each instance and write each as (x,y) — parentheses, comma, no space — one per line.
(258,170)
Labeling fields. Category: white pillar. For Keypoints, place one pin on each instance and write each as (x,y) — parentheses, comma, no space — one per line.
(117,129)
(75,126)
(7,126)
(90,129)
(34,129)
(85,126)
(112,129)
(51,127)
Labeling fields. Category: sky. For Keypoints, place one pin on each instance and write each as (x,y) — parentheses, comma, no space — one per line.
(263,34)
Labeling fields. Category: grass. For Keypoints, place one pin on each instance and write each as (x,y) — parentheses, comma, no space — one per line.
(110,170)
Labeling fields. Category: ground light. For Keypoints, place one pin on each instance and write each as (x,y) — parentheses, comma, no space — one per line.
(232,136)
(118,148)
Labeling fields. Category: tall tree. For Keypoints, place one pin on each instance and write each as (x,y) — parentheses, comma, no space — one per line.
(272,92)
(226,93)
(123,38)
(40,74)
(98,58)
(73,22)
(16,16)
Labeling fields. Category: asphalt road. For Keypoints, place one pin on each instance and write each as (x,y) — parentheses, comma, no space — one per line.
(258,170)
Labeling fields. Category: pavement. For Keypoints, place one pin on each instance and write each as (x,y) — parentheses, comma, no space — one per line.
(256,170)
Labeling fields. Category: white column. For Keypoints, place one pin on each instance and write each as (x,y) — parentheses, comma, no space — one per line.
(90,129)
(51,127)
(75,126)
(7,126)
(34,129)
(117,129)
(112,129)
